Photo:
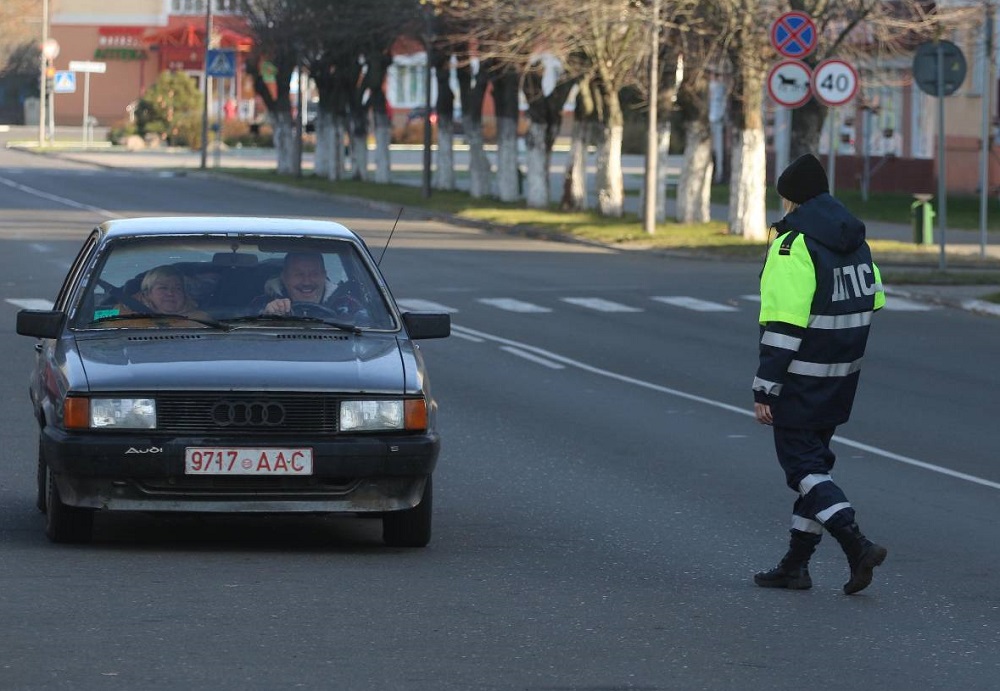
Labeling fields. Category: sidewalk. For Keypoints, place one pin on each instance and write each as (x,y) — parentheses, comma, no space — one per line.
(963,242)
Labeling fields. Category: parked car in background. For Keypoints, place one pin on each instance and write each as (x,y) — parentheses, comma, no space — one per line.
(166,381)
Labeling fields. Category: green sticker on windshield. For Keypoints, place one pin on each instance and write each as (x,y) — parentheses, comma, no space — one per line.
(101,314)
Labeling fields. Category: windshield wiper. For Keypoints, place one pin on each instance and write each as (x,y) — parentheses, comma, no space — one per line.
(159,315)
(251,318)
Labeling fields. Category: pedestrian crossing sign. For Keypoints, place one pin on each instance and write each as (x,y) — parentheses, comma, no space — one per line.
(220,63)
(64,83)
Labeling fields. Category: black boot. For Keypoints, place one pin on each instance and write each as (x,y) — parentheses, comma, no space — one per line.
(863,555)
(792,572)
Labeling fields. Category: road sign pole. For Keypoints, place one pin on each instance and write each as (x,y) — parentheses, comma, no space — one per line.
(942,198)
(86,106)
(831,166)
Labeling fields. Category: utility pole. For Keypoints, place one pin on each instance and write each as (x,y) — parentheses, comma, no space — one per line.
(43,78)
(984,157)
(204,86)
(652,150)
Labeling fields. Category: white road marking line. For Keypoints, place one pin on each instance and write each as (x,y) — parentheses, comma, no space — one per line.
(467,337)
(896,304)
(601,305)
(417,305)
(56,198)
(512,305)
(533,358)
(39,247)
(751,298)
(553,357)
(694,304)
(30,303)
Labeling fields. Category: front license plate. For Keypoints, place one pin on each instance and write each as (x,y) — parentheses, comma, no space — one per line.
(206,460)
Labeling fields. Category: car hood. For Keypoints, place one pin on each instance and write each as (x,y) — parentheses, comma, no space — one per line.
(297,361)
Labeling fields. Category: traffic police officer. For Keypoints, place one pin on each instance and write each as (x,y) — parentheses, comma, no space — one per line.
(819,288)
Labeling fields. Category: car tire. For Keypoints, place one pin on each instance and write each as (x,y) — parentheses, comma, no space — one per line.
(410,527)
(63,523)
(41,490)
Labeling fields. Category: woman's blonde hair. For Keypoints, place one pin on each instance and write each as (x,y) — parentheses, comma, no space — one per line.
(158,274)
(789,205)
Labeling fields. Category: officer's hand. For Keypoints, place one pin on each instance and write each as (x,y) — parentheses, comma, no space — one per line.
(762,412)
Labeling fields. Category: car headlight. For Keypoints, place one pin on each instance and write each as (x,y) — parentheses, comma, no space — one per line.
(110,413)
(371,416)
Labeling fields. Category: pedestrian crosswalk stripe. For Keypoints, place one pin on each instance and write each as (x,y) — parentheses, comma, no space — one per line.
(695,304)
(512,305)
(601,305)
(896,304)
(416,305)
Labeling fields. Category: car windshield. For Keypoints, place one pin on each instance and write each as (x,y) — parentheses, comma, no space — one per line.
(216,282)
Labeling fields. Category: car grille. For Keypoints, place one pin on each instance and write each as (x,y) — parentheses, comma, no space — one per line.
(246,414)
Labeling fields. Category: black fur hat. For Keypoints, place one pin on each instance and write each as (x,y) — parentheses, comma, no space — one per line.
(803,179)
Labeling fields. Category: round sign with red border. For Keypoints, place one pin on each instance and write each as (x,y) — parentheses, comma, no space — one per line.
(835,82)
(788,83)
(793,34)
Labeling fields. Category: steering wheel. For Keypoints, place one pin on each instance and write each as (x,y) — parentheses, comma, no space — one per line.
(344,299)
(313,309)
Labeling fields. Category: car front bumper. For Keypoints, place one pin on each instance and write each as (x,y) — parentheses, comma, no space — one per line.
(357,474)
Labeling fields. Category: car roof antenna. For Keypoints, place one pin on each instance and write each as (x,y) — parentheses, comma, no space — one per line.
(379,262)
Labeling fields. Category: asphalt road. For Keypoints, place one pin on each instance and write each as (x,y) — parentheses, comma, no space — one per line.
(602,497)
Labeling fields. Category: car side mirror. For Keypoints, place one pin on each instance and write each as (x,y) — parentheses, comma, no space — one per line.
(40,323)
(427,325)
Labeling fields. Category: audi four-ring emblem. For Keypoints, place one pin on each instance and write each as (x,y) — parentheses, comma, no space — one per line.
(248,414)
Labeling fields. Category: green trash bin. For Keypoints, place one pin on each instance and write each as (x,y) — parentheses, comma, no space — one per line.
(922,213)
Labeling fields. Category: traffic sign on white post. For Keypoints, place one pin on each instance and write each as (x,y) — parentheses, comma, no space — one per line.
(788,83)
(87,67)
(835,82)
(793,34)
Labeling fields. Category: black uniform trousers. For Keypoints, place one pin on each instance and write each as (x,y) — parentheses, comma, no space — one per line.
(807,460)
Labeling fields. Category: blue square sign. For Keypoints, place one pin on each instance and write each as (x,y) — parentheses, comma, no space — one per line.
(220,63)
(64,82)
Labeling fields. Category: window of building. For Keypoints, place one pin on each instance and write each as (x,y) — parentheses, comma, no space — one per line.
(199,7)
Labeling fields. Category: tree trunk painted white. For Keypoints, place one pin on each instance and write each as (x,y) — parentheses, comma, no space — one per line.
(284,144)
(325,137)
(662,169)
(383,158)
(611,185)
(575,183)
(536,183)
(359,157)
(444,173)
(321,164)
(480,170)
(337,145)
(747,215)
(507,171)
(694,189)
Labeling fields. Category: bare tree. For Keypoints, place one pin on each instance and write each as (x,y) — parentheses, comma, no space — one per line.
(276,27)
(747,47)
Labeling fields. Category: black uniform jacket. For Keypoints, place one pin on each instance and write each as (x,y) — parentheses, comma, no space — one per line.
(819,289)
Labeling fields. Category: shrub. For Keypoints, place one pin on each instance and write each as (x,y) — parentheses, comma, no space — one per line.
(171,108)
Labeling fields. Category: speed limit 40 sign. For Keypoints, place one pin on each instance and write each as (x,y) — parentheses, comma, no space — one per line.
(835,82)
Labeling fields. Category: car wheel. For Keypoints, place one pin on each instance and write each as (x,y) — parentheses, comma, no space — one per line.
(41,488)
(410,527)
(65,523)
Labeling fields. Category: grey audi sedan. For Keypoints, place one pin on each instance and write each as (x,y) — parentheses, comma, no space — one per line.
(230,365)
